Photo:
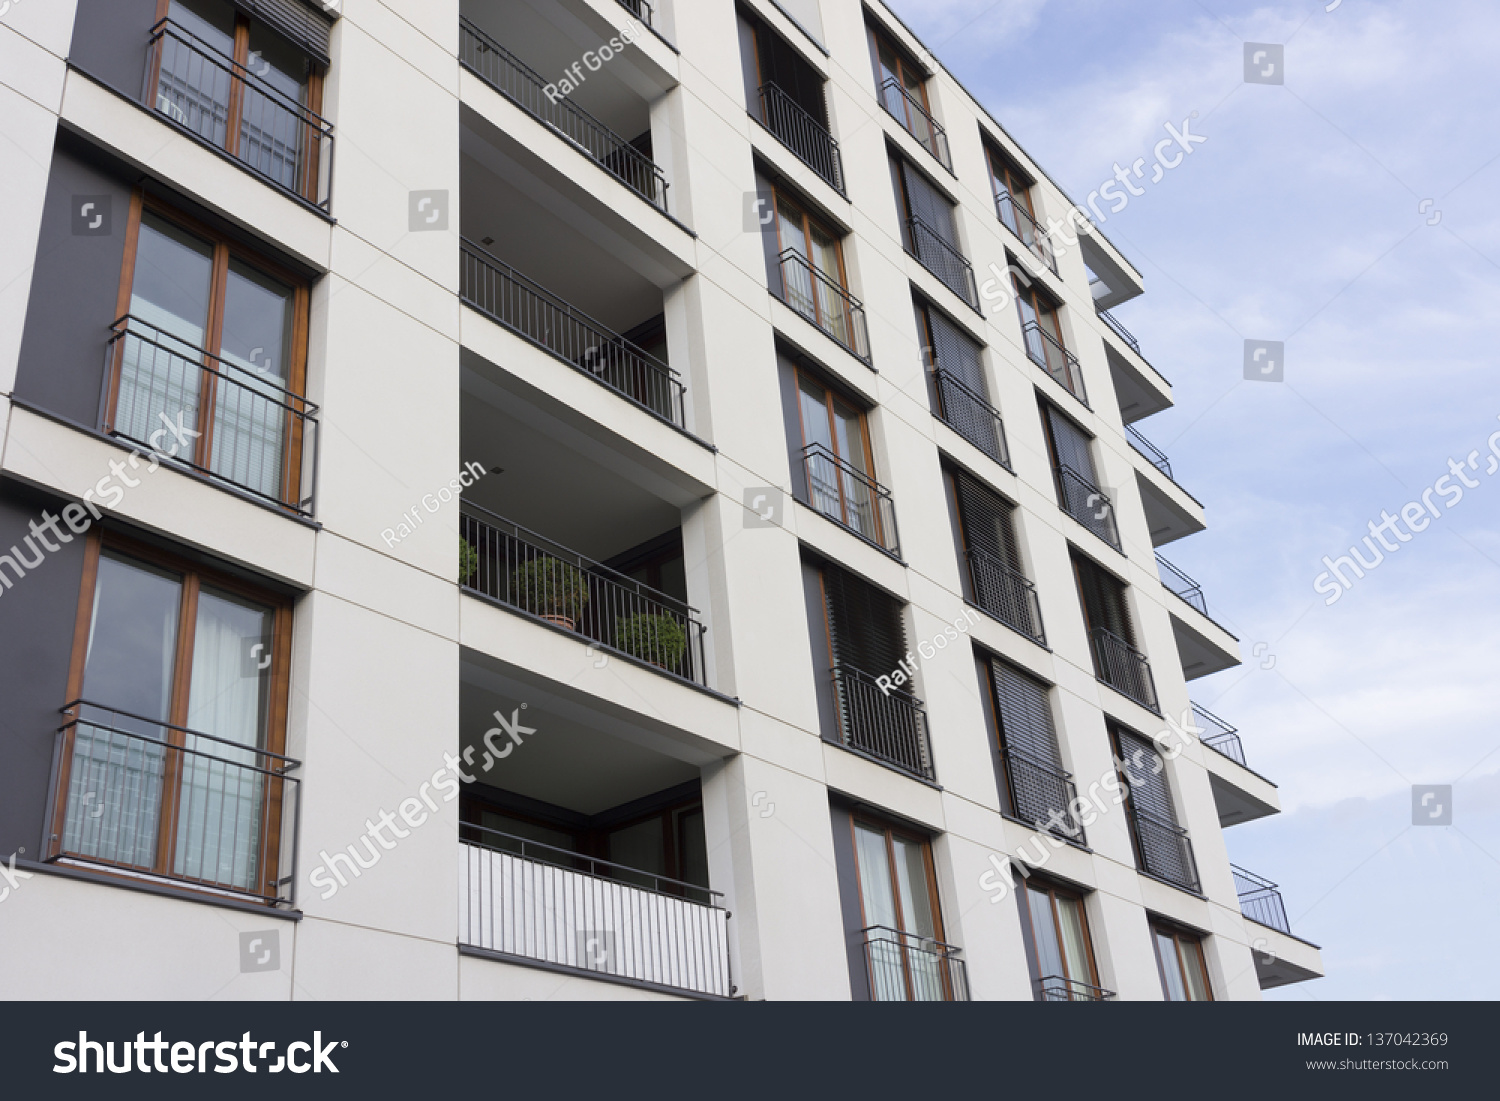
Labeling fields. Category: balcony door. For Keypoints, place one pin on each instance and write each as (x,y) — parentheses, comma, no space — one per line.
(840,467)
(1041,329)
(814,279)
(167,772)
(903,89)
(1180,962)
(211,344)
(1012,194)
(902,926)
(1063,952)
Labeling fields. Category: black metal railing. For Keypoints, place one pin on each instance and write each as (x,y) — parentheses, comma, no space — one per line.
(886,723)
(939,255)
(252,432)
(1260,900)
(1219,735)
(522,898)
(905,967)
(1120,330)
(1088,504)
(526,88)
(1047,352)
(824,302)
(1185,588)
(642,10)
(807,138)
(528,309)
(1123,667)
(851,498)
(169,803)
(1019,221)
(1055,988)
(965,411)
(1042,796)
(227,105)
(1154,454)
(915,119)
(532,574)
(1007,594)
(1166,850)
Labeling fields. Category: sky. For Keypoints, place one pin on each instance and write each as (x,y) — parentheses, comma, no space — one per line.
(1342,212)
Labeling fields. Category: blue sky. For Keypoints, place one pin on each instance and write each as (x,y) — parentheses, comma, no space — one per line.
(1304,219)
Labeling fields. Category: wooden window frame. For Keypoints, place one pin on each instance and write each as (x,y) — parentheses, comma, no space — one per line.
(1016,184)
(316,74)
(1179,938)
(1048,310)
(832,394)
(192,576)
(807,220)
(1053,890)
(905,66)
(892,831)
(224,248)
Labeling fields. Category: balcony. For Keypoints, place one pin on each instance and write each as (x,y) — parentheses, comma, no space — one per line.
(523,86)
(887,724)
(968,414)
(1219,735)
(904,967)
(1260,900)
(531,574)
(1020,222)
(1055,988)
(1165,851)
(1047,353)
(1039,792)
(141,798)
(1182,586)
(227,106)
(645,12)
(807,138)
(939,256)
(1154,455)
(523,899)
(1008,595)
(1088,504)
(256,437)
(825,303)
(1120,331)
(902,106)
(1123,667)
(498,291)
(851,498)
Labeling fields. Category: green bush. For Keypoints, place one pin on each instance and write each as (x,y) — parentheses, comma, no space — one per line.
(550,586)
(468,560)
(656,638)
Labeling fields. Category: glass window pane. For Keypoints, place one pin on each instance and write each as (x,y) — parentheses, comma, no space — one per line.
(1074,940)
(273,128)
(209,21)
(1197,980)
(1044,929)
(692,846)
(529,831)
(117,765)
(221,817)
(884,948)
(919,917)
(196,64)
(1166,952)
(250,407)
(641,846)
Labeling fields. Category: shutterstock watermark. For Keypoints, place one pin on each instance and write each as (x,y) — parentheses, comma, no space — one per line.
(1417,516)
(594,60)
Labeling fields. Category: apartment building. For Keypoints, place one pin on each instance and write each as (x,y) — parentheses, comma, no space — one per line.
(596,499)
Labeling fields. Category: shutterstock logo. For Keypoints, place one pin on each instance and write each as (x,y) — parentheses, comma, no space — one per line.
(228,1056)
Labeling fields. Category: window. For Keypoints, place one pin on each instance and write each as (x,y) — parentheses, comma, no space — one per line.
(903,93)
(1061,947)
(1179,959)
(814,282)
(172,762)
(1071,450)
(1041,331)
(1015,205)
(903,927)
(869,706)
(1106,613)
(1034,787)
(992,555)
(959,392)
(1162,847)
(213,339)
(839,463)
(929,230)
(243,87)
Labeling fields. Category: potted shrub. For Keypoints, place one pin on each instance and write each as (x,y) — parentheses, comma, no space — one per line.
(553,589)
(659,639)
(468,561)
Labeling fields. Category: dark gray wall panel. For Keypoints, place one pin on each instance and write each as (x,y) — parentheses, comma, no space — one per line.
(110,41)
